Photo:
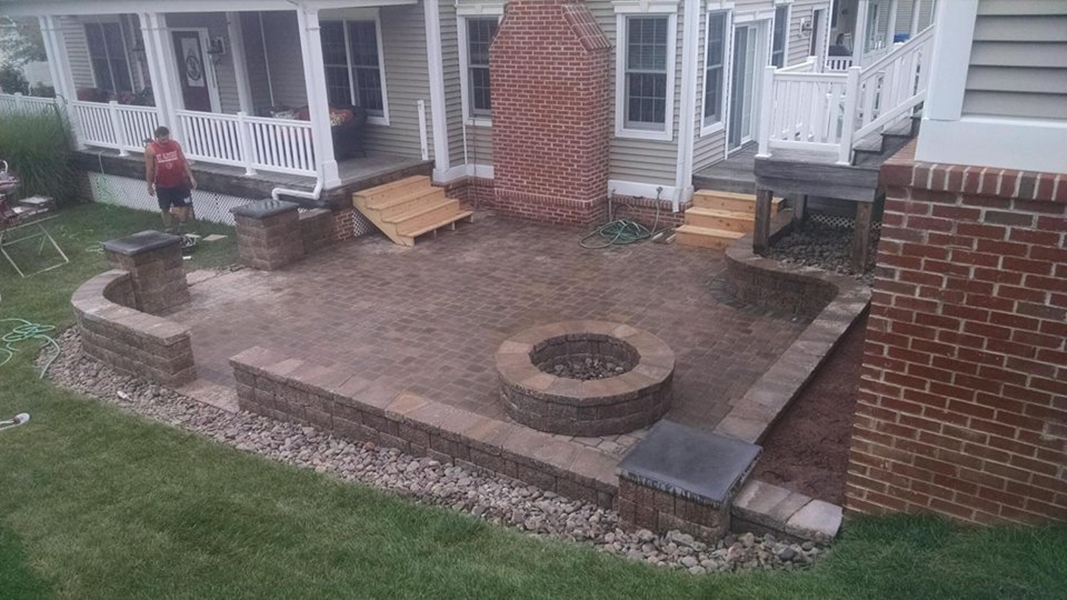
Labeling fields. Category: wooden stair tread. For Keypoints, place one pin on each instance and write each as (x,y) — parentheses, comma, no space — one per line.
(732,196)
(399,183)
(391,201)
(418,212)
(463,214)
(709,232)
(719,212)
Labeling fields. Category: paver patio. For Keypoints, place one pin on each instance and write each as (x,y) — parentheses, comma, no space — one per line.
(429,319)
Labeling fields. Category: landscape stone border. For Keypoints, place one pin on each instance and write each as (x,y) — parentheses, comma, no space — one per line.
(596,407)
(844,300)
(129,340)
(764,507)
(290,389)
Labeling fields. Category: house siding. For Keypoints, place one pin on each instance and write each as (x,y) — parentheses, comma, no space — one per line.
(708,149)
(799,47)
(225,78)
(407,81)
(644,161)
(1018,65)
(284,59)
(258,80)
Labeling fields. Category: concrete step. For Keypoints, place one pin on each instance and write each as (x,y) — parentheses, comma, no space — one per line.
(705,237)
(729,201)
(727,220)
(399,187)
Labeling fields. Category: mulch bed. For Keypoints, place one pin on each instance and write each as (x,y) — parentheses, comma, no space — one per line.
(807,450)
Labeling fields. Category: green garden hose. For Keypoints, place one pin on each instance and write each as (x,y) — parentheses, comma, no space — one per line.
(27,331)
(616,233)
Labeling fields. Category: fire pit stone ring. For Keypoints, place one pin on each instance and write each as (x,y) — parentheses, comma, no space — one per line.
(626,378)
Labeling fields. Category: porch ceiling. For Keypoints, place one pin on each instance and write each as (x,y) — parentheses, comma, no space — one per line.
(33,8)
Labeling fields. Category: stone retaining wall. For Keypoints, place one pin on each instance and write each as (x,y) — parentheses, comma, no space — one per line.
(835,301)
(290,389)
(128,340)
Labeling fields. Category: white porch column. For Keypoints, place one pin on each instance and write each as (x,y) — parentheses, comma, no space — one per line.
(151,53)
(891,26)
(916,9)
(164,79)
(240,65)
(859,41)
(315,82)
(56,51)
(435,68)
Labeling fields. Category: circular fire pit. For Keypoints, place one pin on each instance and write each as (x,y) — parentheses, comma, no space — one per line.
(585,378)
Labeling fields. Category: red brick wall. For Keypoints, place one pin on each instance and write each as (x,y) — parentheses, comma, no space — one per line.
(552,111)
(963,399)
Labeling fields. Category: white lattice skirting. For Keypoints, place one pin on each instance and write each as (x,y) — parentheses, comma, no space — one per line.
(132,193)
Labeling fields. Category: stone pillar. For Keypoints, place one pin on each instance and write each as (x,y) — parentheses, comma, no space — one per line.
(268,234)
(552,112)
(685,479)
(154,261)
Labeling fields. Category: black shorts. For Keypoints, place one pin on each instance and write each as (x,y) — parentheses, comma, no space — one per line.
(168,197)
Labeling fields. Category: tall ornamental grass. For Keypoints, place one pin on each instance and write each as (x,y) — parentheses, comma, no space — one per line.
(39,149)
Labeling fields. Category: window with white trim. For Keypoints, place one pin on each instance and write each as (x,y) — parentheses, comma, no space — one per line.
(352,63)
(107,55)
(781,30)
(646,75)
(714,73)
(480,34)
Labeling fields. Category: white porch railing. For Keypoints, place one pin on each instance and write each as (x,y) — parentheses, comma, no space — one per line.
(838,63)
(122,127)
(254,143)
(827,113)
(18,104)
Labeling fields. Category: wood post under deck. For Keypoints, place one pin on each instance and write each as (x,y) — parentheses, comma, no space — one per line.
(861,236)
(762,233)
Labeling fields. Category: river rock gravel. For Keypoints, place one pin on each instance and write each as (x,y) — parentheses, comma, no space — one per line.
(491,498)
(825,246)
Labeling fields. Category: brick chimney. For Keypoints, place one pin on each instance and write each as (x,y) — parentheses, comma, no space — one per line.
(552,112)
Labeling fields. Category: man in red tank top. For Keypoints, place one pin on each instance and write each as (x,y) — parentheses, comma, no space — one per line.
(169,177)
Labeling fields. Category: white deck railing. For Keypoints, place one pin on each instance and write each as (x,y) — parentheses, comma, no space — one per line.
(838,63)
(18,104)
(254,143)
(122,127)
(828,113)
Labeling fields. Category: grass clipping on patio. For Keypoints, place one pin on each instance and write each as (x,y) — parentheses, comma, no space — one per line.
(96,503)
(39,149)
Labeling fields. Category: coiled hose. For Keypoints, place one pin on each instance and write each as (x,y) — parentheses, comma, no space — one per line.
(620,232)
(27,331)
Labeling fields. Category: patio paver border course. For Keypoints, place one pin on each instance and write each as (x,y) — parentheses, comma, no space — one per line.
(127,339)
(752,416)
(291,389)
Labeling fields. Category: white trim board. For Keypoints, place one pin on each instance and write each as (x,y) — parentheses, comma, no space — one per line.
(435,69)
(30,8)
(465,170)
(638,189)
(1022,144)
(690,64)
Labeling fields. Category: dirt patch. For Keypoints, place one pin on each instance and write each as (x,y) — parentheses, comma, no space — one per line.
(807,450)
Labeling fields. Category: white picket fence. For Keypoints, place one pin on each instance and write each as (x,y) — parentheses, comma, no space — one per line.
(18,104)
(828,113)
(255,143)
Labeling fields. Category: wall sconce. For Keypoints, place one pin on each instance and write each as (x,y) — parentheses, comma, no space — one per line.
(217,49)
(806,27)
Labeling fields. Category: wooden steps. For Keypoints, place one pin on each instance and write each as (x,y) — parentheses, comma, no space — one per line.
(716,218)
(407,208)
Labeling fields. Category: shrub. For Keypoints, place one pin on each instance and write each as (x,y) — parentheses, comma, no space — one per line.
(12,80)
(39,149)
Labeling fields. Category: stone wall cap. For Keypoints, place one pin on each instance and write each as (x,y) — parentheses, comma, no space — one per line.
(261,209)
(690,463)
(141,242)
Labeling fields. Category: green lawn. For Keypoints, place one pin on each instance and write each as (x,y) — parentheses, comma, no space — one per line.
(98,504)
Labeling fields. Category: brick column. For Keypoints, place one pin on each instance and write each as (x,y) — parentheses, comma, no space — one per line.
(963,401)
(552,112)
(154,261)
(269,234)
